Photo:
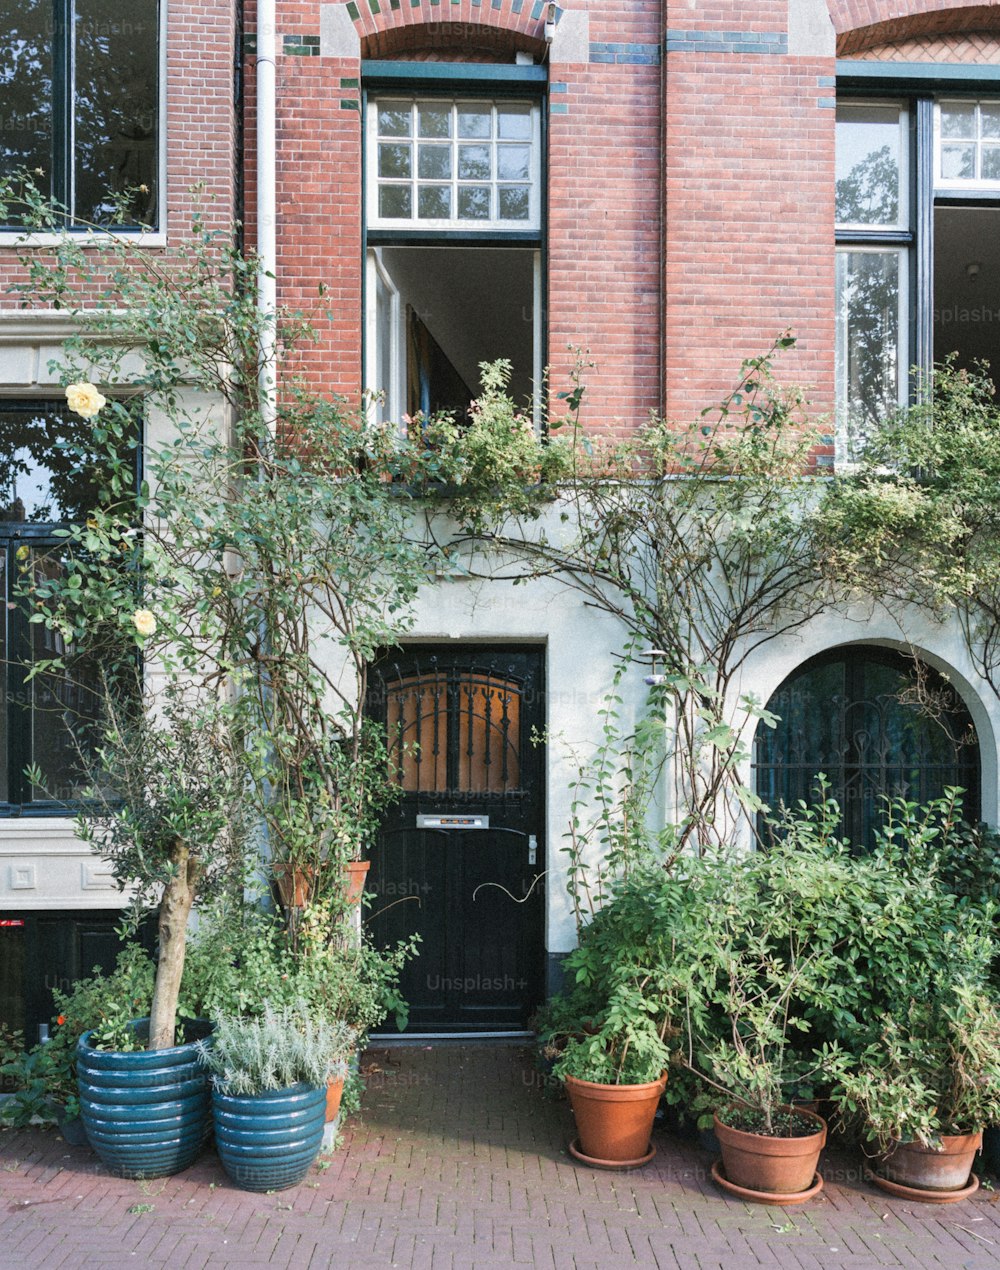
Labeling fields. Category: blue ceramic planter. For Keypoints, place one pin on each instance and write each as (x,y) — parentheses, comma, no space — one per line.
(147,1113)
(267,1142)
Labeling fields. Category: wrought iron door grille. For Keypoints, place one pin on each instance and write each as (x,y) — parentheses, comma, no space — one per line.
(455,731)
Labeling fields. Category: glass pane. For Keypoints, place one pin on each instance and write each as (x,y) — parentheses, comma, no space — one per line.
(474,121)
(474,202)
(473,163)
(858,719)
(4,694)
(513,163)
(958,119)
(868,352)
(434,121)
(434,163)
(394,159)
(434,202)
(116,75)
(991,163)
(489,733)
(417,732)
(395,201)
(26,87)
(514,123)
(989,115)
(869,166)
(383,346)
(514,202)
(958,162)
(41,480)
(64,705)
(394,119)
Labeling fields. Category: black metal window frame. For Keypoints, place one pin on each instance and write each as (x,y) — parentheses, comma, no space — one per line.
(64,111)
(15,694)
(847,771)
(918,88)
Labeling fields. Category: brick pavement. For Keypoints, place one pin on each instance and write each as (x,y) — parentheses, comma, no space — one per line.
(458,1160)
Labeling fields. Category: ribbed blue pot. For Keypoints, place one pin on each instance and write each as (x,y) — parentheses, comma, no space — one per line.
(147,1113)
(267,1142)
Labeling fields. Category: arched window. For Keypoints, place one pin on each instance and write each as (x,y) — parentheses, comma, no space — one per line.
(875,723)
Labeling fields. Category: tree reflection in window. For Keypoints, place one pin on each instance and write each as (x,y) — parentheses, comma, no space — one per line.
(50,475)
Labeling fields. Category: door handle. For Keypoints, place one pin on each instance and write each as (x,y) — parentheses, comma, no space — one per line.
(532,849)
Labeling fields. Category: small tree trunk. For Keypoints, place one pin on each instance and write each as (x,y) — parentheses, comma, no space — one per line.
(175,908)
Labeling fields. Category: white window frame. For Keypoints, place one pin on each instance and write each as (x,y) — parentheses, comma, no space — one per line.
(392,405)
(960,183)
(905,211)
(486,227)
(12,236)
(394,391)
(843,456)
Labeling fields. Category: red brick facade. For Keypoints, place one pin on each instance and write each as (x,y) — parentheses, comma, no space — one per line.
(690,162)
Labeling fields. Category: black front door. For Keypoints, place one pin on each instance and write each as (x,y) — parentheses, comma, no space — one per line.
(460,856)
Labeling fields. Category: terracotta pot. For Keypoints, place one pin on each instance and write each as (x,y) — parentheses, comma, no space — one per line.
(779,1166)
(614,1122)
(926,1169)
(356,871)
(334,1093)
(294,884)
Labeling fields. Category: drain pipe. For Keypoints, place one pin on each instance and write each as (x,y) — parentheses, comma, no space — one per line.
(267,238)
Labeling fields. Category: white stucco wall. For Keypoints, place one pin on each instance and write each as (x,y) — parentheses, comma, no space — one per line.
(43,865)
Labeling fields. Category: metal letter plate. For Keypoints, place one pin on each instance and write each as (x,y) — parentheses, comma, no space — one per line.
(453,822)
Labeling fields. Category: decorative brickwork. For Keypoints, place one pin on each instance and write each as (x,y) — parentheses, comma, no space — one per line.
(973,49)
(863,24)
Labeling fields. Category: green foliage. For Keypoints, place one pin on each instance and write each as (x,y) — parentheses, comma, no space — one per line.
(780,974)
(699,539)
(280,1047)
(494,467)
(242,956)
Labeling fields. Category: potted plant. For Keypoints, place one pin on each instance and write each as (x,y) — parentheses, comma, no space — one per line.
(269,1091)
(614,1078)
(925,1089)
(166,812)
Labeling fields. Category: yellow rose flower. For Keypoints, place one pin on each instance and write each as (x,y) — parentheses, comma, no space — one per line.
(144,622)
(84,399)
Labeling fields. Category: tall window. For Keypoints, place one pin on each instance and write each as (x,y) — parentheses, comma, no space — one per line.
(454,202)
(876,725)
(918,249)
(79,102)
(46,720)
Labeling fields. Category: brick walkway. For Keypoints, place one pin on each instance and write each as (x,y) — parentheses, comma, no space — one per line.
(459,1160)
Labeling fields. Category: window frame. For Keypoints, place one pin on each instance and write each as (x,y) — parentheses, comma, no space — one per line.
(63,132)
(919,87)
(15,702)
(489,226)
(458,80)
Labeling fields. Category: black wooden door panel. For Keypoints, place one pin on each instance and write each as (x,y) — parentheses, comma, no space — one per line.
(460,725)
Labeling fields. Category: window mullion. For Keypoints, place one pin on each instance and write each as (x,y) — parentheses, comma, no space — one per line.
(62,102)
(923,298)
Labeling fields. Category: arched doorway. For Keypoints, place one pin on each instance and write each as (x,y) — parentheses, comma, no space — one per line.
(875,723)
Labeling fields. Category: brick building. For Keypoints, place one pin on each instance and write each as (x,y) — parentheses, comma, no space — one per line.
(667,185)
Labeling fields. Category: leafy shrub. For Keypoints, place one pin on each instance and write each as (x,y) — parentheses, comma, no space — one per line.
(281,1047)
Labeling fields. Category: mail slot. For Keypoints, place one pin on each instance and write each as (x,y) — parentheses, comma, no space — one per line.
(453,822)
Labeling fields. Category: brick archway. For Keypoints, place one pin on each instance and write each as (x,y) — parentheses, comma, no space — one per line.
(863,24)
(472,30)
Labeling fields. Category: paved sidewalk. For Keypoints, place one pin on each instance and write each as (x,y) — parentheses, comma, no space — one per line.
(459,1160)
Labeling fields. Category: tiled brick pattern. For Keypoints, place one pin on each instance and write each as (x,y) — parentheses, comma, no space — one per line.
(459,1160)
(862,24)
(974,49)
